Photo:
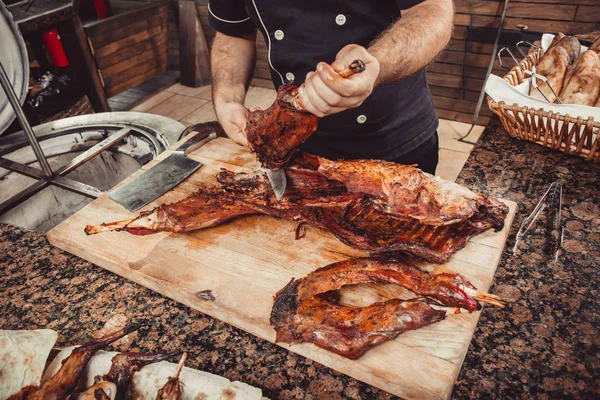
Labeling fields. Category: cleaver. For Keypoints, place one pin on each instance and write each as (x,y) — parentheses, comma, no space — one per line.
(163,176)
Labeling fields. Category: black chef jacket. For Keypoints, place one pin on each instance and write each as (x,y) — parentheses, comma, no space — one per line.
(394,120)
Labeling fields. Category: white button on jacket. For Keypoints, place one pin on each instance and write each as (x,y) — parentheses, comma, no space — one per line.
(361,119)
(340,19)
(279,34)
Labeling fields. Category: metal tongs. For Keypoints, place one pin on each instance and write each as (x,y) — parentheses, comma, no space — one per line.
(531,73)
(551,200)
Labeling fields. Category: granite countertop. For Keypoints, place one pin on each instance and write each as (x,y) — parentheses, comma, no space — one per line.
(544,344)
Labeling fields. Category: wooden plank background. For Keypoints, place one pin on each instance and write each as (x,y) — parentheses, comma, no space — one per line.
(456,77)
(130,47)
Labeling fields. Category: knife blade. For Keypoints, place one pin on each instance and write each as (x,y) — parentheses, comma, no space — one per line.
(277,177)
(278,181)
(165,175)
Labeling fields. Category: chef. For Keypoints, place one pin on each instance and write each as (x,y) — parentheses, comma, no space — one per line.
(385,112)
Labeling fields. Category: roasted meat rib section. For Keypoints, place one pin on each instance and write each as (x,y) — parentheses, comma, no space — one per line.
(356,218)
(304,312)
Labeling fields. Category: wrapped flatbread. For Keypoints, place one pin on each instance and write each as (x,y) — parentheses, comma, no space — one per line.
(23,356)
(196,384)
(582,83)
(147,381)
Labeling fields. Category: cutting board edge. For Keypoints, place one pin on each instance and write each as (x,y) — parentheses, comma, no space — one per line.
(305,350)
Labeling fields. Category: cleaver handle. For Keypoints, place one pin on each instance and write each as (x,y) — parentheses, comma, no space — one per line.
(203,135)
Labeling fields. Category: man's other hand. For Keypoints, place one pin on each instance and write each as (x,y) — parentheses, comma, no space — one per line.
(233,117)
(325,92)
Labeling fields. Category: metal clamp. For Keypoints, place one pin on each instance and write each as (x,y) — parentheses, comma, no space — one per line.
(552,200)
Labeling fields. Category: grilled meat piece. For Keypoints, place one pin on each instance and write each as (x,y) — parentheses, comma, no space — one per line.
(449,289)
(304,312)
(172,389)
(348,331)
(64,382)
(99,391)
(407,192)
(122,368)
(357,219)
(203,209)
(274,134)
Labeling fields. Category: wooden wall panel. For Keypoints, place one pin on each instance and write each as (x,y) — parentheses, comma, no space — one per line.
(131,46)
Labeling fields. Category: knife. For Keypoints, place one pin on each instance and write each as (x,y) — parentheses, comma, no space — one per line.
(165,175)
(278,181)
(277,177)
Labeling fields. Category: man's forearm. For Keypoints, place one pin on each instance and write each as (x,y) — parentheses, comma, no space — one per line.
(232,63)
(414,40)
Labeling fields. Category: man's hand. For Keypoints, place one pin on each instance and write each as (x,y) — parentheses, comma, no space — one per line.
(233,117)
(325,92)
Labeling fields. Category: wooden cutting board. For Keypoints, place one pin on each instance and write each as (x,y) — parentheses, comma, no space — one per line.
(244,262)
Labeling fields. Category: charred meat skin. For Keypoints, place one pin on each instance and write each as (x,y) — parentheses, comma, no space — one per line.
(172,390)
(379,269)
(276,133)
(64,382)
(360,220)
(405,191)
(346,331)
(303,312)
(124,365)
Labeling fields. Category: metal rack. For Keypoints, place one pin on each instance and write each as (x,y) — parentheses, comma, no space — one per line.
(45,176)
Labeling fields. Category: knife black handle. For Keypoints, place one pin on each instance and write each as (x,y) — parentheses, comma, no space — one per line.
(204,133)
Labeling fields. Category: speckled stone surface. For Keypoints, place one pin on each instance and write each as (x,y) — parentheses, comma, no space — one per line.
(544,344)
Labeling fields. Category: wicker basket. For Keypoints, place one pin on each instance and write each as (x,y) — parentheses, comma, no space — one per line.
(575,135)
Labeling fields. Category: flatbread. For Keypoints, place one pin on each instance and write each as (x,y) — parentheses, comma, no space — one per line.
(582,83)
(147,381)
(23,356)
(196,384)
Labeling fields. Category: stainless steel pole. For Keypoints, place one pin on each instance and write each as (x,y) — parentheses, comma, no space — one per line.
(14,102)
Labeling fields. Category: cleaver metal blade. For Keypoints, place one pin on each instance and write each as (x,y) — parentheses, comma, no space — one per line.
(163,176)
(278,181)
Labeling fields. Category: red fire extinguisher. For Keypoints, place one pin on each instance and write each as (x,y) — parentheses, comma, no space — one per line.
(102,9)
(55,48)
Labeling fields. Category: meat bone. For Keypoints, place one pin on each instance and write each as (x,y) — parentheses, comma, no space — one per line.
(288,128)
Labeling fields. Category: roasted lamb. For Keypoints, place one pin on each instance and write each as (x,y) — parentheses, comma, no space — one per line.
(304,310)
(435,220)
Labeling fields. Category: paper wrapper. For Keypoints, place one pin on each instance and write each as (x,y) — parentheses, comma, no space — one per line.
(23,356)
(148,380)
